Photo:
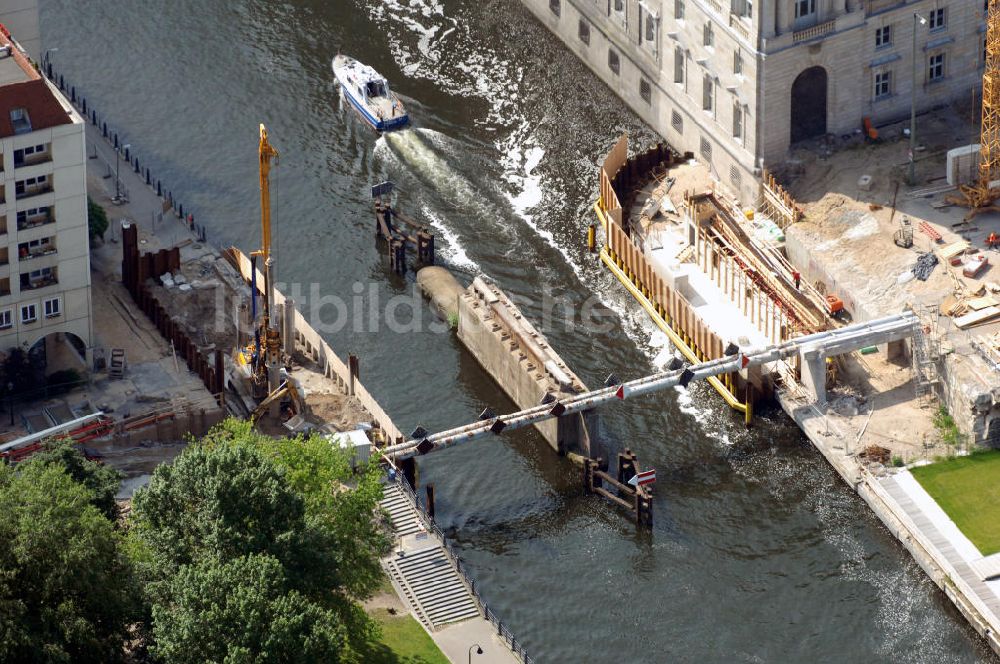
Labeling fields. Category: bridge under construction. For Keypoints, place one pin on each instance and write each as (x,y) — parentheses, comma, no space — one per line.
(812,351)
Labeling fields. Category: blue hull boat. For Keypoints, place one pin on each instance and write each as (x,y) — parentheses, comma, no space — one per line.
(368,92)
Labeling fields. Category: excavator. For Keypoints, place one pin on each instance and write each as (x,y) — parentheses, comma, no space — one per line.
(258,362)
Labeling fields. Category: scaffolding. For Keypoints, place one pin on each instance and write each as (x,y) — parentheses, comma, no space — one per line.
(926,353)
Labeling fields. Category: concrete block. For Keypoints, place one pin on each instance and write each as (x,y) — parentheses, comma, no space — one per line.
(962,164)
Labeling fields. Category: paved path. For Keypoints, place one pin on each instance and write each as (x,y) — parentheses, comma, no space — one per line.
(943,534)
(437,595)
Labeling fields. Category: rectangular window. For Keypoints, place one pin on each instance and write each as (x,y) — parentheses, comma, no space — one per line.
(804,8)
(5,319)
(706,149)
(883,84)
(708,37)
(29,313)
(555,7)
(883,36)
(737,120)
(935,71)
(742,8)
(20,121)
(937,19)
(707,93)
(583,32)
(737,62)
(677,122)
(734,176)
(52,308)
(679,10)
(679,65)
(614,63)
(645,90)
(621,12)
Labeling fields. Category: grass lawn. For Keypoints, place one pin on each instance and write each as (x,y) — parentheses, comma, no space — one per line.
(968,490)
(404,641)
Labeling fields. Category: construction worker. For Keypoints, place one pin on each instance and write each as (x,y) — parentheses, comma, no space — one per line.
(992,240)
(797,278)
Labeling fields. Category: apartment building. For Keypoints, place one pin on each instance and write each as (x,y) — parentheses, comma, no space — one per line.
(45,304)
(738,82)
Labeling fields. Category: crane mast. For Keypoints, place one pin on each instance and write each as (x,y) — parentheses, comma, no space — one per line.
(981,195)
(271,357)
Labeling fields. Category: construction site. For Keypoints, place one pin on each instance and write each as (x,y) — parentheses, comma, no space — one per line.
(896,220)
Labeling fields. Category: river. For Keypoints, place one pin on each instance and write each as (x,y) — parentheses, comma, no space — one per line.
(759,552)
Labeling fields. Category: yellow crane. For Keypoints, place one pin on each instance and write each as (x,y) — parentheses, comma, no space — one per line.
(981,195)
(261,358)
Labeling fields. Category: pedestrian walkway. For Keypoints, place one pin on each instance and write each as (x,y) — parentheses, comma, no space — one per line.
(942,533)
(426,577)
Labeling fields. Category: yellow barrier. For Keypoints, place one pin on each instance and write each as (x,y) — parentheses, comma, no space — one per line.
(675,338)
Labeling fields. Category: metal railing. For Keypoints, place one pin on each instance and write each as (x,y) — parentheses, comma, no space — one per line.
(502,630)
(814,32)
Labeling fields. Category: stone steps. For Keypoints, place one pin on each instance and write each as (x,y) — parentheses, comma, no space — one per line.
(427,578)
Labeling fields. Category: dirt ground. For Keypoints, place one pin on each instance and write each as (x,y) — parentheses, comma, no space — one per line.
(849,232)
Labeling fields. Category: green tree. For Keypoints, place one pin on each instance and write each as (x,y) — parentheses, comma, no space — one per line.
(97,219)
(102,481)
(19,372)
(242,611)
(66,587)
(321,473)
(223,503)
(238,494)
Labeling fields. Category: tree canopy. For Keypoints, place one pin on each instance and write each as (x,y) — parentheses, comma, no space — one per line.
(102,481)
(243,549)
(242,611)
(273,525)
(66,590)
(97,219)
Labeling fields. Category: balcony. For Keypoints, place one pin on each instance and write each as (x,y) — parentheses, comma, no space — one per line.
(35,190)
(27,251)
(34,218)
(39,279)
(21,159)
(815,32)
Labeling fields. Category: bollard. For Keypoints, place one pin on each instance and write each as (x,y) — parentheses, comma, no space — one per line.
(83,105)
(147,177)
(116,140)
(72,94)
(137,169)
(62,83)
(104,130)
(180,210)
(128,158)
(159,189)
(48,69)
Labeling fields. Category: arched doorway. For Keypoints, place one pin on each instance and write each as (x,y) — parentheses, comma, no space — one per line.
(59,351)
(809,104)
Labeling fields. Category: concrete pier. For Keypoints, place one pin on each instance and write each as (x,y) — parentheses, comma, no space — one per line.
(512,351)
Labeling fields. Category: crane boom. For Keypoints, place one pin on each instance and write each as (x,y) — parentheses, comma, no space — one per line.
(266,153)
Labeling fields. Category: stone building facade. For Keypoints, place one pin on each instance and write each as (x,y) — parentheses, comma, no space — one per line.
(738,82)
